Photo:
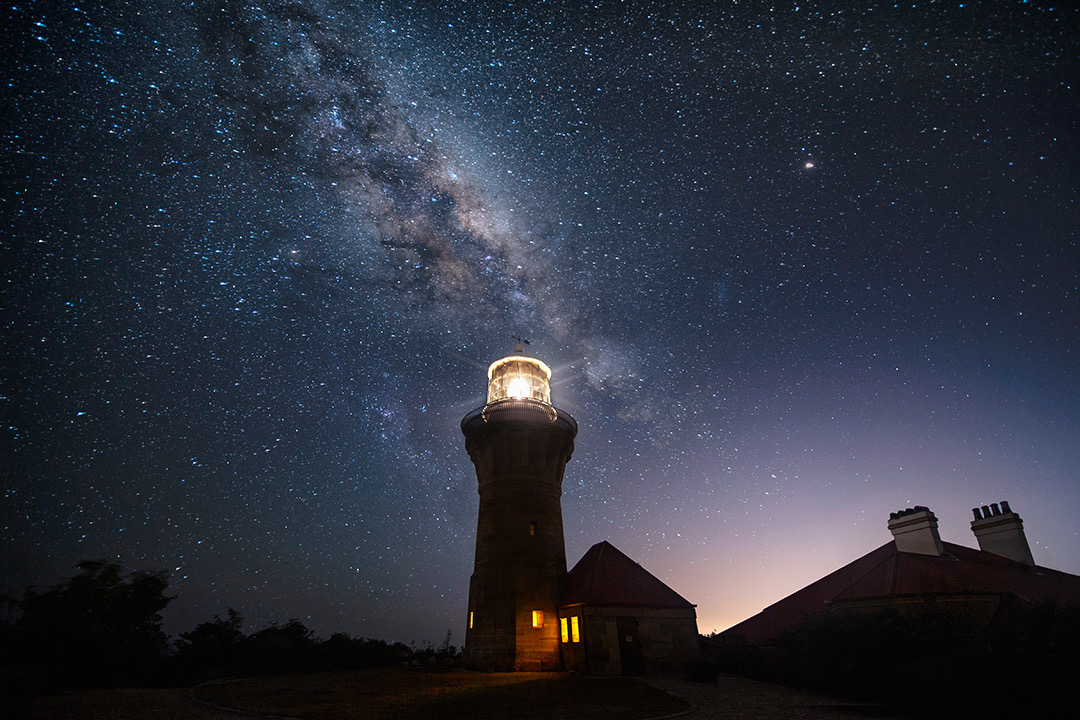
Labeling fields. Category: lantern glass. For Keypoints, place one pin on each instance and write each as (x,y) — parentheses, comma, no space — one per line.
(521,378)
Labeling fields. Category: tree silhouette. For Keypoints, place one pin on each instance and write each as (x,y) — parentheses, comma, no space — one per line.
(281,648)
(96,628)
(211,649)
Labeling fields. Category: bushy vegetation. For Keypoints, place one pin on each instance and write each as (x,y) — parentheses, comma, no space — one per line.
(219,649)
(103,628)
(99,627)
(1026,658)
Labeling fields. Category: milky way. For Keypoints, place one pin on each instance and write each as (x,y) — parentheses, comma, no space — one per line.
(303,97)
(794,267)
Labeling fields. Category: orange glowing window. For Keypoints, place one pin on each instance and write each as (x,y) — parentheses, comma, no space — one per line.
(470,619)
(562,628)
(538,618)
(575,633)
(532,528)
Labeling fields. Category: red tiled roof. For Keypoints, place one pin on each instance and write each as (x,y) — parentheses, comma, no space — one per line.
(888,573)
(606,577)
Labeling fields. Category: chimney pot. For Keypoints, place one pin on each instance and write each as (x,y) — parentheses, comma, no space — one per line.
(986,511)
(915,531)
(978,515)
(1002,533)
(995,509)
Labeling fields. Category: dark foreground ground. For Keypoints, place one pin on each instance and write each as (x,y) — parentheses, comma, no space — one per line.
(408,694)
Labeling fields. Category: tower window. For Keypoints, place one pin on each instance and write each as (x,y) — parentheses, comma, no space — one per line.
(562,629)
(538,618)
(532,528)
(470,619)
(575,633)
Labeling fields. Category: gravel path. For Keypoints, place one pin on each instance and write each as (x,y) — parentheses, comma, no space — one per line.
(736,698)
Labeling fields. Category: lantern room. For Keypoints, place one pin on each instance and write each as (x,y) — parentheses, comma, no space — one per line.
(519,378)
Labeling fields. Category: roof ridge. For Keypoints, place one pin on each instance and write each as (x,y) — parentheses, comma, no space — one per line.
(853,580)
(607,576)
(596,566)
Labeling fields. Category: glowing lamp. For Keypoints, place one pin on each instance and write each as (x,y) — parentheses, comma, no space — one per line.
(519,378)
(519,388)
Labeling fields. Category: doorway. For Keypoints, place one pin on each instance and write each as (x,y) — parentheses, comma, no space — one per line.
(629,645)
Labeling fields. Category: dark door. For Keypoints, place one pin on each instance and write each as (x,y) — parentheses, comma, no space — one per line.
(629,646)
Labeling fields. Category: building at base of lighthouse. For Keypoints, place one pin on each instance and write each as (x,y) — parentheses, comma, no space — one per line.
(525,612)
(617,618)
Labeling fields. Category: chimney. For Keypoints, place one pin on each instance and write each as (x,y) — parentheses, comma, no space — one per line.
(1001,531)
(915,531)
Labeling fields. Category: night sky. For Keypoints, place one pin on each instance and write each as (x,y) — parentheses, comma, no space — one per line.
(794,265)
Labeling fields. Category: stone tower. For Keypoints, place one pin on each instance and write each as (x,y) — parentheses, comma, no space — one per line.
(519,444)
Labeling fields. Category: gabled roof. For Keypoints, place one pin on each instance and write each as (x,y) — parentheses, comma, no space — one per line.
(606,577)
(888,573)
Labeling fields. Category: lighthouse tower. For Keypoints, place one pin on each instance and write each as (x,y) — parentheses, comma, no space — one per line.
(520,444)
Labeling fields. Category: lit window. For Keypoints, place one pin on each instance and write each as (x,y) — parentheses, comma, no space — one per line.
(532,528)
(575,633)
(538,618)
(562,627)
(470,619)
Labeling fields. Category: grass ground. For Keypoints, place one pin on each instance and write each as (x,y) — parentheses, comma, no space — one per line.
(412,694)
(120,704)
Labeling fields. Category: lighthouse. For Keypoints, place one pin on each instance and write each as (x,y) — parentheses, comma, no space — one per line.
(519,444)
